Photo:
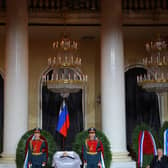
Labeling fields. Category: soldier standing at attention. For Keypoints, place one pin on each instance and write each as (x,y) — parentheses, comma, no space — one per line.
(37,154)
(92,150)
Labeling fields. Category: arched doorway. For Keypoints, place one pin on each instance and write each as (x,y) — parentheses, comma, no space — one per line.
(1,111)
(51,102)
(141,106)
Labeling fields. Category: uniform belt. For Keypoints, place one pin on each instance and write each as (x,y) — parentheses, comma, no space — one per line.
(92,153)
(37,153)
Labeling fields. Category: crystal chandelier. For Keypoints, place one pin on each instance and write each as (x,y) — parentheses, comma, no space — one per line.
(156,63)
(65,43)
(66,74)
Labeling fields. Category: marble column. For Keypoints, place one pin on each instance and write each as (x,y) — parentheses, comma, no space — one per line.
(165,117)
(16,76)
(163,106)
(112,83)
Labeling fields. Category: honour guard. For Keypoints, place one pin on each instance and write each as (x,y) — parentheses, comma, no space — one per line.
(92,150)
(37,151)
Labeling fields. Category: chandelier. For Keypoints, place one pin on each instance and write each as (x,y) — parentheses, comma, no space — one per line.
(65,43)
(65,68)
(156,63)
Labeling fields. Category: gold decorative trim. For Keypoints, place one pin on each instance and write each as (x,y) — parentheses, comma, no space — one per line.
(40,153)
(66,81)
(92,153)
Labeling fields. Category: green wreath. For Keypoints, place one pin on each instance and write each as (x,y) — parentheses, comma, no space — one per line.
(161,135)
(20,151)
(146,158)
(80,140)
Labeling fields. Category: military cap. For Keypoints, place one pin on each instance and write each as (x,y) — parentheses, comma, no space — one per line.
(92,129)
(37,130)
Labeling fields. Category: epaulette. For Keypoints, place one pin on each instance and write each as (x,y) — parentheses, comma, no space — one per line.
(41,140)
(86,140)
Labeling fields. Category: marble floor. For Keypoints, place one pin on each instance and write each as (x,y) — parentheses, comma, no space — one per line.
(7,165)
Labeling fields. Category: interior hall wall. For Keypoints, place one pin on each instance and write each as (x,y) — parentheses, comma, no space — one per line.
(98,88)
(2,49)
(40,49)
(135,39)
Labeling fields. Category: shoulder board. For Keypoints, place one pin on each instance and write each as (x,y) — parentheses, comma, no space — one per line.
(86,140)
(41,140)
(97,138)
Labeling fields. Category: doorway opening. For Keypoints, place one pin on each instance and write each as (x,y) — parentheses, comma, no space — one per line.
(51,103)
(141,106)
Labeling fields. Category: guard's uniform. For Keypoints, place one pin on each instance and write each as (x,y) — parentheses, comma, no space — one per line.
(92,153)
(92,150)
(37,153)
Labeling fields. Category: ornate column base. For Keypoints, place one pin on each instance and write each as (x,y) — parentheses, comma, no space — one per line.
(122,160)
(7,161)
(131,164)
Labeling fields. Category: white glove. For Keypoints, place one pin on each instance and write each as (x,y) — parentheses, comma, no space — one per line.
(44,164)
(85,165)
(99,165)
(30,165)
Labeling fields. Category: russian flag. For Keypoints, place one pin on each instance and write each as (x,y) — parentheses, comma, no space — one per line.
(63,120)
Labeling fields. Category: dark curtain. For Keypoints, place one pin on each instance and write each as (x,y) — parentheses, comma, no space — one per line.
(51,103)
(141,106)
(1,111)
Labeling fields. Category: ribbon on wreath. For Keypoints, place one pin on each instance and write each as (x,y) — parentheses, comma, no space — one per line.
(146,145)
(166,142)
